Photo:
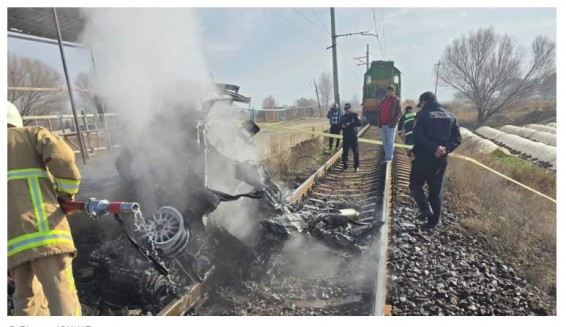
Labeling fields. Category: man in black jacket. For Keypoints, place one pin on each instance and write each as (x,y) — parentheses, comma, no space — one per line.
(436,133)
(350,123)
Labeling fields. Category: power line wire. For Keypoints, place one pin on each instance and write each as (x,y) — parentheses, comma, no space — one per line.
(350,69)
(320,20)
(295,25)
(383,32)
(310,21)
(377,33)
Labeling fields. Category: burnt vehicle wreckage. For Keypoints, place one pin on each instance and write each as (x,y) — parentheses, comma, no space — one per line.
(163,263)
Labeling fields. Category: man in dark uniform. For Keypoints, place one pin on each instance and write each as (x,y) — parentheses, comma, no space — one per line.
(350,123)
(436,134)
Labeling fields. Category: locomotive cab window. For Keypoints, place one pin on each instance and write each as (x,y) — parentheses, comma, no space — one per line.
(396,79)
(368,80)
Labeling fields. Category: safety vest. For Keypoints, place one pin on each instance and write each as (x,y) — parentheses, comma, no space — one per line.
(409,118)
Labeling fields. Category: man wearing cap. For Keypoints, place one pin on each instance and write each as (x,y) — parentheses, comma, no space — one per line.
(436,134)
(41,174)
(350,123)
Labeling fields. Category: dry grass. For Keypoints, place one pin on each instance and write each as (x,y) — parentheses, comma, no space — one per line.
(298,162)
(518,169)
(519,225)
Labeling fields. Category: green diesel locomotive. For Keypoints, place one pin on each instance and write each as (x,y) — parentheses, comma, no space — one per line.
(376,79)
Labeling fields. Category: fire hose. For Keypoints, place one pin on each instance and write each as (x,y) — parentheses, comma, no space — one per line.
(98,208)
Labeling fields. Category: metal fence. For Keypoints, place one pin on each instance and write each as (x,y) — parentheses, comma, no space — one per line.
(99,133)
(278,115)
(104,133)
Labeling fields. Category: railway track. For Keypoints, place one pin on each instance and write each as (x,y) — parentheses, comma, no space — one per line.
(380,265)
(337,267)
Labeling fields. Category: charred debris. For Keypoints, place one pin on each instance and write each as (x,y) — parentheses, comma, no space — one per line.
(172,183)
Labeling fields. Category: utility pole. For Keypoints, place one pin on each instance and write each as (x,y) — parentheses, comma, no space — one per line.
(367,57)
(364,62)
(436,83)
(334,58)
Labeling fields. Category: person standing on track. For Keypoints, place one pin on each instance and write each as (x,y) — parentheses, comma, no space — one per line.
(334,115)
(436,134)
(389,114)
(350,123)
(405,127)
(40,244)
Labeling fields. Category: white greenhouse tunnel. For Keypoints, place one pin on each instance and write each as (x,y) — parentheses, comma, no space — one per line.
(535,150)
(478,143)
(542,128)
(531,134)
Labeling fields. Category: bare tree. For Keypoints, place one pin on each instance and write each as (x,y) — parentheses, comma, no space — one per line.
(269,103)
(547,88)
(27,72)
(493,72)
(304,102)
(85,98)
(325,89)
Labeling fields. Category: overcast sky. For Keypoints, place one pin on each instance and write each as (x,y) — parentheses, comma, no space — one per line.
(278,51)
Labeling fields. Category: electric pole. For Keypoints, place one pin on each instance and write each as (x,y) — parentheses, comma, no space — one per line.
(436,83)
(367,57)
(364,62)
(334,58)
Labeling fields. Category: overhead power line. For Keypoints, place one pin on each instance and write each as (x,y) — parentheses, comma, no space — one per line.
(310,21)
(377,33)
(319,20)
(295,25)
(383,32)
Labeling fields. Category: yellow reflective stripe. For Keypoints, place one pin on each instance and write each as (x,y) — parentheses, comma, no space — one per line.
(33,240)
(34,201)
(36,234)
(407,133)
(42,206)
(38,205)
(25,173)
(69,272)
(67,185)
(36,239)
(32,175)
(409,119)
(71,281)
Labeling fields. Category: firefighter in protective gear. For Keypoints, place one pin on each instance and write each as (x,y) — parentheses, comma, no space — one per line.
(41,172)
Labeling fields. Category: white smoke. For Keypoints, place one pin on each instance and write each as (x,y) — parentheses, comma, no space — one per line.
(139,50)
(142,56)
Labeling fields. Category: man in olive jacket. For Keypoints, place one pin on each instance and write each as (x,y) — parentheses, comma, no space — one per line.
(40,244)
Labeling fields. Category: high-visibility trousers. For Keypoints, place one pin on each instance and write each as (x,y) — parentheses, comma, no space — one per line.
(45,286)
